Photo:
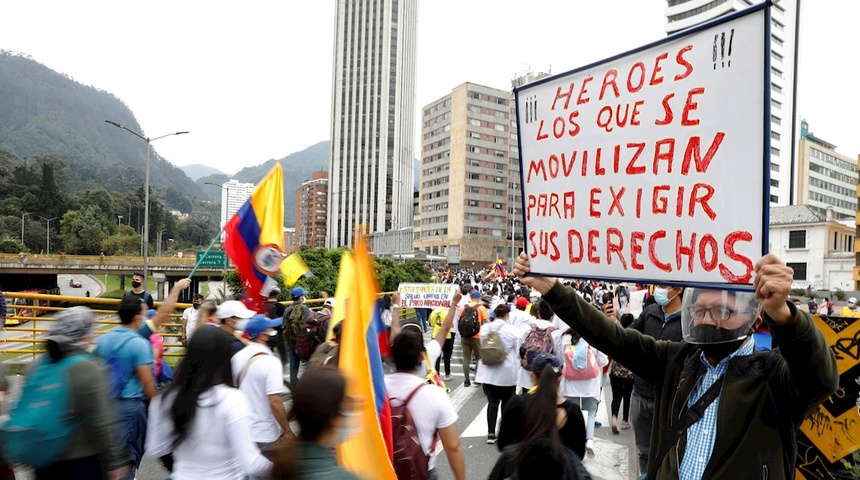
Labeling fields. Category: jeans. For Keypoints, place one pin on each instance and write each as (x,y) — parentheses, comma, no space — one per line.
(295,361)
(621,390)
(642,413)
(132,427)
(423,315)
(496,394)
(447,350)
(589,404)
(471,346)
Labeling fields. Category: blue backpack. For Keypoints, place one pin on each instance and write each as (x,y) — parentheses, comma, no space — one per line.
(41,423)
(117,380)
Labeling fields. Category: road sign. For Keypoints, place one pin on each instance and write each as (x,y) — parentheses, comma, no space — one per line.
(212,259)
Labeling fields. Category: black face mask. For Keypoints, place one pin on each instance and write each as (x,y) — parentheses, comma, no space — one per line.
(717,351)
(196,306)
(135,284)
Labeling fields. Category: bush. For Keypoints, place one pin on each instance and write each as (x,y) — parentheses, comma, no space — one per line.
(839,294)
(12,246)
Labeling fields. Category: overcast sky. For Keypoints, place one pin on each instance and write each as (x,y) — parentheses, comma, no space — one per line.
(251,81)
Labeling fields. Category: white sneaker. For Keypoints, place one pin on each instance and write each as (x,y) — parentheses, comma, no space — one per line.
(589,447)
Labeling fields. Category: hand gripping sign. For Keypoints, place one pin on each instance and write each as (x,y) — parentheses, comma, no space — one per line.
(653,165)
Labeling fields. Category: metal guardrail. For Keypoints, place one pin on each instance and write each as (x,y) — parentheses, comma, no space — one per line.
(95,260)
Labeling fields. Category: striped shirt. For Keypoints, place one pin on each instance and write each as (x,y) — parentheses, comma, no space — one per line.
(702,434)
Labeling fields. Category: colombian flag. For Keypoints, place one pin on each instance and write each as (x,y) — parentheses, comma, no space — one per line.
(367,454)
(500,268)
(255,237)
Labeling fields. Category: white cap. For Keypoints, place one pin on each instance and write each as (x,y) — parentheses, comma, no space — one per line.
(534,294)
(852,300)
(329,302)
(234,308)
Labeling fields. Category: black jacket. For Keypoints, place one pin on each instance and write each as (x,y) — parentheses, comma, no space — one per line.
(650,322)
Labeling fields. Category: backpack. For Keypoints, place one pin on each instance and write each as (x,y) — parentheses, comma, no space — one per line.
(311,335)
(117,380)
(469,326)
(410,460)
(294,319)
(570,372)
(324,355)
(42,422)
(538,340)
(492,348)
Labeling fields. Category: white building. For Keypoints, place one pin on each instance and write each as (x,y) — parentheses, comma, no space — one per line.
(826,178)
(233,196)
(373,109)
(682,14)
(818,248)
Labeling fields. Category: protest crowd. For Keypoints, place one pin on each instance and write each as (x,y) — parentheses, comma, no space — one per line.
(541,350)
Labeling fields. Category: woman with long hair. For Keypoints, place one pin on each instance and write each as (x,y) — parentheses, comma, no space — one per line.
(324,414)
(202,419)
(544,427)
(583,392)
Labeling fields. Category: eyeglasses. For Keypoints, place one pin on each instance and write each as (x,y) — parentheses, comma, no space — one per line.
(719,313)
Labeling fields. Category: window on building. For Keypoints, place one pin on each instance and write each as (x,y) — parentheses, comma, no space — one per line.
(776,104)
(774,151)
(799,270)
(774,167)
(775,88)
(776,72)
(797,239)
(774,199)
(774,183)
(775,136)
(775,120)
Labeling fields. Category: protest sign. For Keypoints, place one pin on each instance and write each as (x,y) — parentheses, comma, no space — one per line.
(426,295)
(653,165)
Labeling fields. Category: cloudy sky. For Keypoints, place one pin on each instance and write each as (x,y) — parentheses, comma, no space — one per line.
(252,80)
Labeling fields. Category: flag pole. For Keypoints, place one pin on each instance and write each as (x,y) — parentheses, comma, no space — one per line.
(211,244)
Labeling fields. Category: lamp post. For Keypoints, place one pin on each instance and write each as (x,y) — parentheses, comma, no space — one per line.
(118,222)
(159,238)
(48,233)
(22,226)
(148,141)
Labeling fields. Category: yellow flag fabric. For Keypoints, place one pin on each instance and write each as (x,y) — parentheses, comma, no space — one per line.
(365,454)
(345,277)
(293,268)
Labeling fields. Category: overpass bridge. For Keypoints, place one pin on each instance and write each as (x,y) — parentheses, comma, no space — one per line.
(34,271)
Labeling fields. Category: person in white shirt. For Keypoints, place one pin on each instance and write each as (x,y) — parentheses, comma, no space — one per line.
(202,420)
(431,409)
(519,317)
(499,381)
(189,318)
(584,393)
(538,311)
(433,348)
(259,375)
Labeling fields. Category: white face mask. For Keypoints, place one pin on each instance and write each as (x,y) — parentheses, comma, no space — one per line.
(350,426)
(241,324)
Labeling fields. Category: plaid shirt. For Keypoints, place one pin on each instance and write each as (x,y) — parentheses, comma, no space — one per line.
(702,434)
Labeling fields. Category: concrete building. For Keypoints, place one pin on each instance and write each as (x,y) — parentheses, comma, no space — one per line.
(819,248)
(372,129)
(311,211)
(290,243)
(233,195)
(682,14)
(469,179)
(826,179)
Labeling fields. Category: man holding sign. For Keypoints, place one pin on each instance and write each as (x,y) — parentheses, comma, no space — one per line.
(721,410)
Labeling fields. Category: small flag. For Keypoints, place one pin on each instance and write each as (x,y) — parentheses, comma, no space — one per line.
(294,268)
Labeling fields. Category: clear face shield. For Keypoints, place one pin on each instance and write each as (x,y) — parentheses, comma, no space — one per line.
(717,316)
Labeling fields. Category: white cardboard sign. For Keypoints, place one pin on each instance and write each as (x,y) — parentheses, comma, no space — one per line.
(426,295)
(652,165)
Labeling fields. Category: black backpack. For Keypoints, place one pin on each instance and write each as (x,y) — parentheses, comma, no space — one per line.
(311,335)
(410,460)
(469,326)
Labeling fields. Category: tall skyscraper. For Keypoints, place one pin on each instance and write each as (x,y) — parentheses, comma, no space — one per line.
(373,97)
(681,14)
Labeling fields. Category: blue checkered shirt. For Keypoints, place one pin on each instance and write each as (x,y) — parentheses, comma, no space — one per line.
(701,435)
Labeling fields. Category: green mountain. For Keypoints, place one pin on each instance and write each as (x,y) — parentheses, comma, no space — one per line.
(46,114)
(297,166)
(197,171)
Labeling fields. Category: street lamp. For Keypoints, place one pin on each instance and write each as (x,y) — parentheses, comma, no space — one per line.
(158,238)
(148,141)
(22,226)
(48,232)
(118,222)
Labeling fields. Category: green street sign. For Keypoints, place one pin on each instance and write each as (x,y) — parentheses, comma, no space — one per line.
(212,259)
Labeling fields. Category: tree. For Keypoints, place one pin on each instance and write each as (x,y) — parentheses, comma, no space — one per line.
(83,231)
(125,243)
(11,246)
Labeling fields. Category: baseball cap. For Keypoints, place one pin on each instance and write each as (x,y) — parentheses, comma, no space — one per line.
(475,294)
(852,300)
(522,302)
(234,308)
(486,299)
(537,362)
(275,292)
(329,302)
(298,292)
(261,324)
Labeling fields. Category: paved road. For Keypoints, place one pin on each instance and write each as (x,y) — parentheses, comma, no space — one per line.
(88,283)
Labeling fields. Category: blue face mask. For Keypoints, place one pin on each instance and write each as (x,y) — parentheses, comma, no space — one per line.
(661,296)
